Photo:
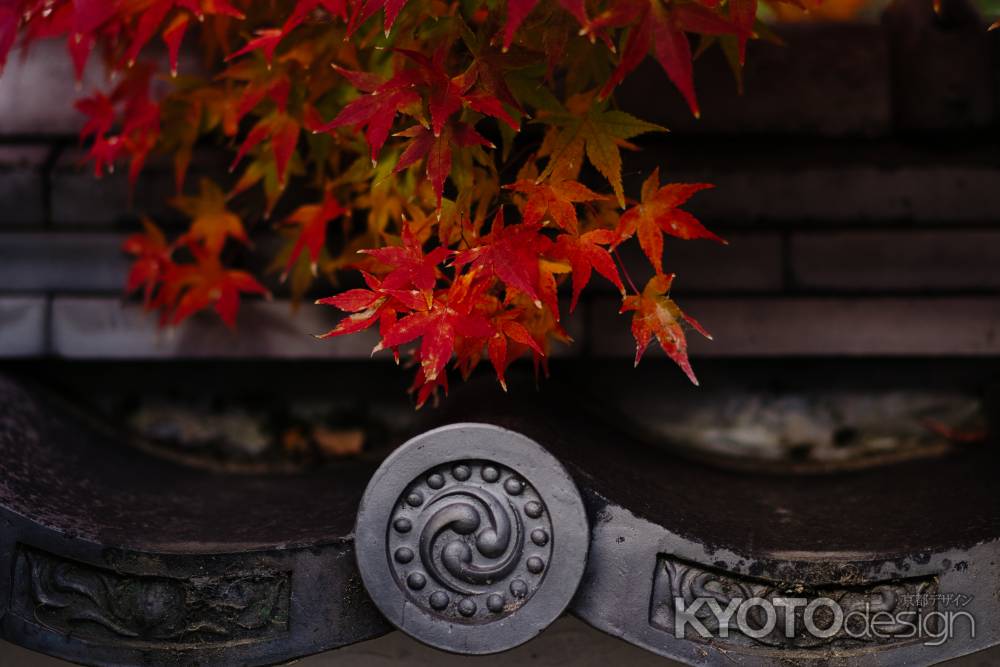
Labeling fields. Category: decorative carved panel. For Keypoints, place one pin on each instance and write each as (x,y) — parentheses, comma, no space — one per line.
(110,607)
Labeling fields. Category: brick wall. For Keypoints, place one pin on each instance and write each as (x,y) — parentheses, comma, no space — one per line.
(858,183)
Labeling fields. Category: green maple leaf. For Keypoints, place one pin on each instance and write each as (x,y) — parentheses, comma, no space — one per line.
(599,134)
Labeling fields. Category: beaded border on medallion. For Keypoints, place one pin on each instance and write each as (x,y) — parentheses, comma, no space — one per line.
(469,541)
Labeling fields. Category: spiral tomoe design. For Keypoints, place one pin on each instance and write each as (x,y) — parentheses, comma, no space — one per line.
(470,541)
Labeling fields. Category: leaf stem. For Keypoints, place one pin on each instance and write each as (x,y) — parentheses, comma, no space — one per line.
(628,277)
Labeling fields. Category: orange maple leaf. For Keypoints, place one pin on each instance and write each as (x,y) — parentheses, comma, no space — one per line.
(554,200)
(657,315)
(211,222)
(658,214)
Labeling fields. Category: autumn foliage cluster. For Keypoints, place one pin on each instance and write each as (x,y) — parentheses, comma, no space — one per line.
(463,157)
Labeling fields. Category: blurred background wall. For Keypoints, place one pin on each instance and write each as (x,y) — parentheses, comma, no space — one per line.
(857,182)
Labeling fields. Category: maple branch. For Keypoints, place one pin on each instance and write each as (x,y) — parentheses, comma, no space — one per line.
(390,138)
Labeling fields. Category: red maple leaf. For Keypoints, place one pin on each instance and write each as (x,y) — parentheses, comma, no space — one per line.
(423,389)
(657,315)
(152,260)
(511,254)
(446,94)
(450,314)
(509,340)
(437,149)
(585,254)
(662,29)
(140,126)
(410,266)
(365,9)
(152,15)
(368,306)
(376,111)
(81,23)
(100,112)
(266,41)
(140,133)
(188,288)
(658,215)
(517,11)
(313,220)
